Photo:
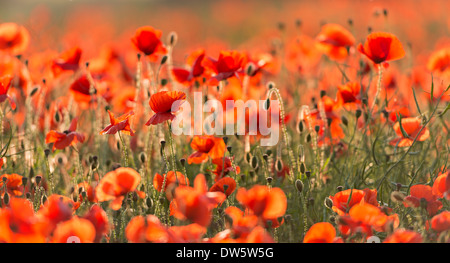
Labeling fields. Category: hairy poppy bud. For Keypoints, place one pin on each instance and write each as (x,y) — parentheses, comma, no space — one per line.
(24,180)
(317,128)
(266,157)
(149,202)
(323,93)
(328,202)
(225,140)
(344,121)
(38,179)
(301,126)
(183,161)
(143,157)
(249,69)
(28,195)
(6,198)
(229,148)
(254,162)
(358,114)
(164,60)
(308,174)
(302,168)
(279,165)
(172,38)
(299,185)
(47,152)
(164,82)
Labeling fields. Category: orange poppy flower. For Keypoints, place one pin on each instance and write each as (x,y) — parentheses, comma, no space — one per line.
(441,222)
(342,204)
(441,186)
(195,204)
(61,140)
(229,64)
(423,193)
(411,126)
(263,202)
(56,209)
(146,229)
(322,232)
(226,185)
(79,227)
(191,233)
(335,41)
(164,104)
(223,167)
(13,184)
(382,47)
(196,72)
(404,236)
(81,91)
(439,61)
(172,181)
(5,83)
(257,235)
(242,223)
(18,223)
(147,40)
(68,60)
(121,124)
(332,121)
(349,95)
(99,219)
(13,38)
(206,146)
(116,184)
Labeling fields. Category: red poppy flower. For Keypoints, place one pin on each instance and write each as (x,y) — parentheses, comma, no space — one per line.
(121,124)
(81,91)
(342,204)
(61,140)
(335,40)
(411,126)
(206,146)
(191,233)
(439,61)
(164,104)
(146,229)
(349,94)
(99,219)
(423,194)
(322,232)
(5,83)
(147,40)
(441,222)
(441,186)
(172,181)
(90,191)
(78,227)
(68,60)
(195,73)
(13,38)
(226,185)
(18,223)
(404,236)
(242,224)
(382,47)
(116,184)
(195,204)
(263,202)
(13,184)
(57,209)
(223,167)
(227,65)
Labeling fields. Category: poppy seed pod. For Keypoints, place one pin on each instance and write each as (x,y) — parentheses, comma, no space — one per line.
(28,195)
(358,113)
(308,174)
(302,168)
(269,179)
(279,165)
(24,180)
(47,152)
(183,161)
(308,138)
(38,179)
(172,38)
(164,82)
(299,185)
(143,157)
(149,202)
(301,126)
(164,60)
(270,85)
(339,188)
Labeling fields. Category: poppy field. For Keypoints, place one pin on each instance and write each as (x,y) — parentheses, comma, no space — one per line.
(116,124)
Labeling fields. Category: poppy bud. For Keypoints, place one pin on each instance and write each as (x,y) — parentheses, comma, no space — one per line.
(183,161)
(344,121)
(164,82)
(269,179)
(328,202)
(4,179)
(34,91)
(339,188)
(229,148)
(323,93)
(47,152)
(164,60)
(84,194)
(279,165)
(143,157)
(6,198)
(163,145)
(317,128)
(225,187)
(149,202)
(173,38)
(308,138)
(249,69)
(44,199)
(301,126)
(298,23)
(38,179)
(281,26)
(311,201)
(108,162)
(75,198)
(332,219)
(358,113)
(369,30)
(57,118)
(225,140)
(288,218)
(269,223)
(267,104)
(266,157)
(242,177)
(28,195)
(118,145)
(385,12)
(302,168)
(398,186)
(364,101)
(248,157)
(115,166)
(24,180)
(254,162)
(299,185)
(270,85)
(350,22)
